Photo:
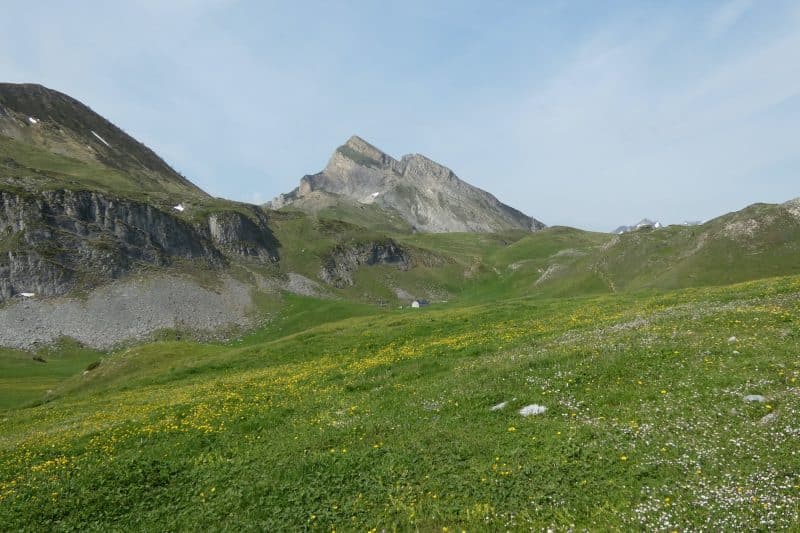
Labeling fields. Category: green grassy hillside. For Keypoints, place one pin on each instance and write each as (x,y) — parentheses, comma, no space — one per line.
(43,121)
(27,378)
(385,421)
(26,167)
(759,241)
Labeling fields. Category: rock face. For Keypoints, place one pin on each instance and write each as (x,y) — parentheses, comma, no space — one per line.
(426,194)
(793,207)
(54,241)
(236,234)
(340,265)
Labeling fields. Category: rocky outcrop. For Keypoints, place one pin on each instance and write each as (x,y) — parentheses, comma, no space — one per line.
(344,260)
(237,234)
(426,194)
(793,207)
(55,241)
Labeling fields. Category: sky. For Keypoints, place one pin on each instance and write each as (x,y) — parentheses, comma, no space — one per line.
(581,113)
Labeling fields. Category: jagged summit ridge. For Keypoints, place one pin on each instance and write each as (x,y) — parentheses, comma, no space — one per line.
(358,147)
(428,195)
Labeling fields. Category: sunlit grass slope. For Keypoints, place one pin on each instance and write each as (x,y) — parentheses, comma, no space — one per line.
(385,422)
(26,167)
(26,378)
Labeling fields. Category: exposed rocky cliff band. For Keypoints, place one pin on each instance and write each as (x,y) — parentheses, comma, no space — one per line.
(54,241)
(339,266)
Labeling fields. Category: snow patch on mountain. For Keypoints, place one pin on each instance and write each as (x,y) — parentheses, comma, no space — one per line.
(101,139)
(642,224)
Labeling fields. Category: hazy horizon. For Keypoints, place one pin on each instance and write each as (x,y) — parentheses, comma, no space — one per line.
(575,113)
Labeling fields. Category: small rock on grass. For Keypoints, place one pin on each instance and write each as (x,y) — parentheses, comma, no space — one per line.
(532,409)
(768,418)
(754,398)
(499,406)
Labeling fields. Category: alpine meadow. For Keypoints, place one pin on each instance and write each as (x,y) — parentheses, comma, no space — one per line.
(386,346)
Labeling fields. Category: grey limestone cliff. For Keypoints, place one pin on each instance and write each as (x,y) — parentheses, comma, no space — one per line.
(55,241)
(426,194)
(342,262)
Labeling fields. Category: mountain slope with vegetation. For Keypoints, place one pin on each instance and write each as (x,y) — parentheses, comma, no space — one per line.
(46,134)
(83,205)
(759,241)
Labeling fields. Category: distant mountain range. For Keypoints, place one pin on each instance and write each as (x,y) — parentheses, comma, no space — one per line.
(646,223)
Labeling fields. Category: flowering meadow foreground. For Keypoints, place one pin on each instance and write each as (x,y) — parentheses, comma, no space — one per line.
(662,411)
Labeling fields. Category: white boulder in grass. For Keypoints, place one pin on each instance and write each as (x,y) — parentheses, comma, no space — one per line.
(532,409)
(768,419)
(499,406)
(754,398)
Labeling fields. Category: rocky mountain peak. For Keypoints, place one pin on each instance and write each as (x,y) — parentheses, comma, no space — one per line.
(361,146)
(359,152)
(427,195)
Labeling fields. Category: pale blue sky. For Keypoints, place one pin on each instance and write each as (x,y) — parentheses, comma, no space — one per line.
(590,114)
